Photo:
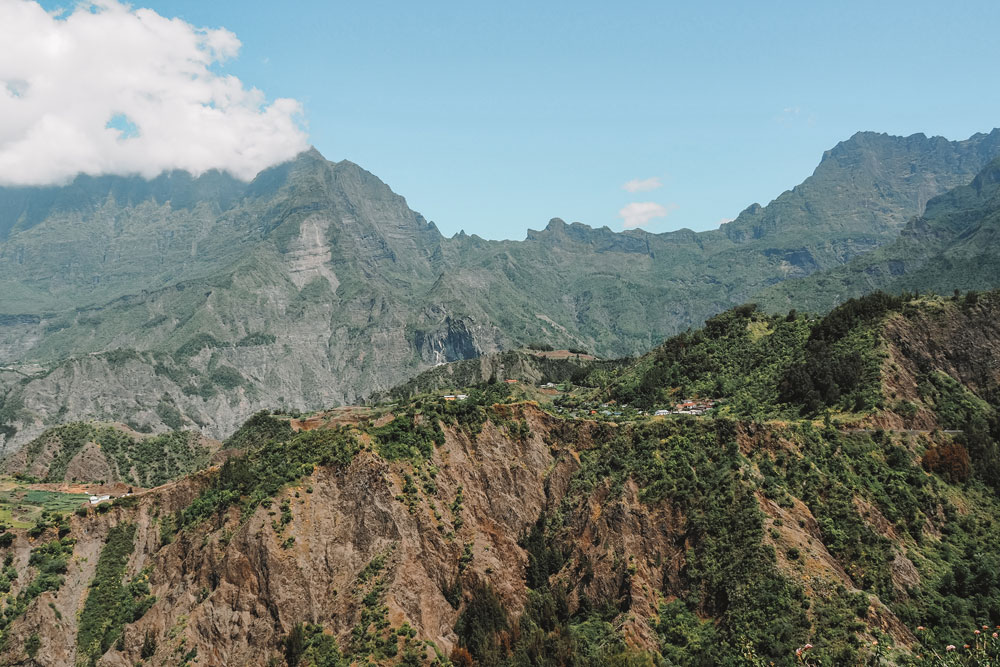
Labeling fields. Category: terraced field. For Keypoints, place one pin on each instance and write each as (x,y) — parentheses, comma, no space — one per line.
(21,503)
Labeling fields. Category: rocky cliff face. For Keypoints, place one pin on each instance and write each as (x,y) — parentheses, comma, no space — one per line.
(374,546)
(181,302)
(232,591)
(492,528)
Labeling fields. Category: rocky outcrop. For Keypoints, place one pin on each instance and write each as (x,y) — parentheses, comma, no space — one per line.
(232,587)
(315,284)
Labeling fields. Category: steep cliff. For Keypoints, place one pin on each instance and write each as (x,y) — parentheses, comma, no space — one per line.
(184,302)
(492,530)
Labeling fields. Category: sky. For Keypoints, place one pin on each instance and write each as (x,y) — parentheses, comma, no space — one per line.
(493,118)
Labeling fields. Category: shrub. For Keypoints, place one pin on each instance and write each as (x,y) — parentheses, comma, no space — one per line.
(950,461)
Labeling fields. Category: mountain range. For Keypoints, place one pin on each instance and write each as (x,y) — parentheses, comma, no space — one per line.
(194,302)
(775,442)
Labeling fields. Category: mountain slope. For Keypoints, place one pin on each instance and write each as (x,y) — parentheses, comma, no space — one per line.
(491,530)
(905,361)
(315,284)
(533,367)
(107,453)
(951,246)
(602,284)
(98,239)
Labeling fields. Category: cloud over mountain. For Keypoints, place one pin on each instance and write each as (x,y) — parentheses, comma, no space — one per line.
(641,213)
(109,89)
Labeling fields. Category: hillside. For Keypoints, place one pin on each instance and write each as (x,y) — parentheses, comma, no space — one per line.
(193,303)
(491,531)
(951,246)
(867,356)
(529,366)
(108,453)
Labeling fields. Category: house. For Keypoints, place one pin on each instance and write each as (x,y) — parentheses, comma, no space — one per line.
(511,381)
(461,397)
(99,499)
(449,398)
(661,413)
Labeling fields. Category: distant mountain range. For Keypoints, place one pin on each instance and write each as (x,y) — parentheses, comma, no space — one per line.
(196,301)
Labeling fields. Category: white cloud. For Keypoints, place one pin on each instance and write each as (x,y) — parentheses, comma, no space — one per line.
(643,184)
(70,83)
(638,214)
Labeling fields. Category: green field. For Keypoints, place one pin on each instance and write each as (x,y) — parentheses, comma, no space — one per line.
(20,505)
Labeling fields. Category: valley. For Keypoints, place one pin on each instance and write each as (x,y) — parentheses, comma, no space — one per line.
(478,335)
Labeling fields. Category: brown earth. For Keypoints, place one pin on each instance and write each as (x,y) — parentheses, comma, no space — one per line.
(233,587)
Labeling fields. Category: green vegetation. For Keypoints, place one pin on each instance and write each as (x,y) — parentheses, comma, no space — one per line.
(68,440)
(769,366)
(111,603)
(309,646)
(277,455)
(260,429)
(955,406)
(545,633)
(155,460)
(259,474)
(50,561)
(517,365)
(251,340)
(740,355)
(832,472)
(407,438)
(23,507)
(747,595)
(850,483)
(142,461)
(227,377)
(841,365)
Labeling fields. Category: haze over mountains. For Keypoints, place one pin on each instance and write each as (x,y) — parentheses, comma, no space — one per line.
(181,301)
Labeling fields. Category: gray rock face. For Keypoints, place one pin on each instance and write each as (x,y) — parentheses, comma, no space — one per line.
(186,302)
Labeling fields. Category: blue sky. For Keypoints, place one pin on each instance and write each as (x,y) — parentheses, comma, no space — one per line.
(493,118)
